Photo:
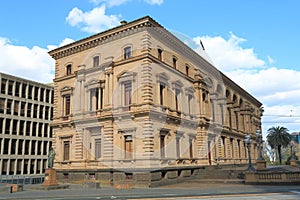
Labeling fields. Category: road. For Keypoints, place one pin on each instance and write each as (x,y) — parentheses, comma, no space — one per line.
(184,190)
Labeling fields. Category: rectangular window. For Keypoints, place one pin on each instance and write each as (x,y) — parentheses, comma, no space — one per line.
(17,89)
(10,87)
(223,146)
(2,105)
(66,150)
(22,111)
(3,86)
(30,92)
(35,111)
(101,92)
(190,97)
(36,93)
(69,69)
(128,147)
(8,106)
(178,147)
(161,94)
(42,93)
(127,53)
(94,99)
(127,93)
(67,99)
(98,148)
(162,146)
(96,61)
(16,107)
(177,93)
(191,147)
(29,105)
(24,86)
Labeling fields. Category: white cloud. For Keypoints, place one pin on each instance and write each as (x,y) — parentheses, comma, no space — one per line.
(278,89)
(153,2)
(111,3)
(63,43)
(228,54)
(92,21)
(34,64)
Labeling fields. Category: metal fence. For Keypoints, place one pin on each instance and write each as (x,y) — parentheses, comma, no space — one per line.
(22,179)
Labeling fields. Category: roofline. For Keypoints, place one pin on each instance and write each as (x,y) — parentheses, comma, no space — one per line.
(106,33)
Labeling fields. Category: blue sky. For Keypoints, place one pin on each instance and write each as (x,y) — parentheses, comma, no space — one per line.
(255,42)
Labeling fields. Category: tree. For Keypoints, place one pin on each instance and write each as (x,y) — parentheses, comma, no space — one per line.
(278,137)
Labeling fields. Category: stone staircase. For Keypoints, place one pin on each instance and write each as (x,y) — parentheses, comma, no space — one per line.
(221,174)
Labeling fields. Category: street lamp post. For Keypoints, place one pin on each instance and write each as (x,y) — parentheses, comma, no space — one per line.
(248,142)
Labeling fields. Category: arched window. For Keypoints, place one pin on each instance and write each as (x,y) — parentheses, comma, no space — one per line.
(174,62)
(159,54)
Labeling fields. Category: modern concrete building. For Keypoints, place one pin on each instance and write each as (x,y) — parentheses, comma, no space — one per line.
(26,110)
(135,102)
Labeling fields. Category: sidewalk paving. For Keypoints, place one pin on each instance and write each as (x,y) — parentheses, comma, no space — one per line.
(187,188)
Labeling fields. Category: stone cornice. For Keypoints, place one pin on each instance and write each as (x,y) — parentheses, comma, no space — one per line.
(104,37)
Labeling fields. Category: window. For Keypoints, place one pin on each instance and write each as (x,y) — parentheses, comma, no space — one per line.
(191,146)
(96,61)
(66,154)
(30,92)
(24,86)
(98,148)
(190,97)
(67,104)
(159,52)
(161,93)
(187,68)
(16,107)
(162,146)
(128,146)
(36,93)
(2,105)
(127,53)
(8,106)
(69,69)
(101,98)
(236,120)
(223,146)
(17,89)
(22,111)
(10,87)
(178,147)
(177,94)
(3,86)
(127,93)
(29,105)
(174,62)
(94,99)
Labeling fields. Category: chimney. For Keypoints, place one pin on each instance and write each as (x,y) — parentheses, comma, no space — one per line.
(123,22)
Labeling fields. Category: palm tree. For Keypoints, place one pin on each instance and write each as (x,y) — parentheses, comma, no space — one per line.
(278,137)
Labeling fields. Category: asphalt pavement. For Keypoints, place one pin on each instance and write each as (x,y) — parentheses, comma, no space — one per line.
(190,189)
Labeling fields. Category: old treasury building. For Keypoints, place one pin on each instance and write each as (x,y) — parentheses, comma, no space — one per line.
(136,103)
